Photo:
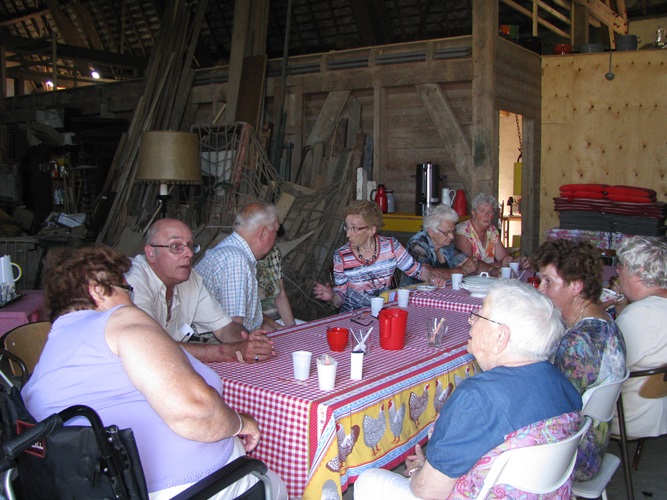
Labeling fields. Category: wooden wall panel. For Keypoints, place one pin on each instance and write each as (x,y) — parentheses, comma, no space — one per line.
(600,131)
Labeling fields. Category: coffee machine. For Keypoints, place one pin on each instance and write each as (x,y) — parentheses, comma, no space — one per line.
(427,187)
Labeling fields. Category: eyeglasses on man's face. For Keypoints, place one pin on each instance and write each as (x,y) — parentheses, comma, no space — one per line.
(180,247)
(353,229)
(475,314)
(128,288)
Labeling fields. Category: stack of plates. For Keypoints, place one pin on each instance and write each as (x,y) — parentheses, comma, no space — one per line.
(478,286)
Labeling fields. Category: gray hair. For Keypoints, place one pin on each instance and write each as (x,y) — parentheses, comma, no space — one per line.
(535,324)
(256,214)
(645,258)
(437,214)
(484,199)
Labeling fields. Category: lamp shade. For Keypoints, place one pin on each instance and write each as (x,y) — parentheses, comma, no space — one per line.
(169,157)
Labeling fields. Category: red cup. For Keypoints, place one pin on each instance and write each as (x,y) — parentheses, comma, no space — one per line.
(535,281)
(337,338)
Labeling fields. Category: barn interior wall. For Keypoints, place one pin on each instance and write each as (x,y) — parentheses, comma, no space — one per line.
(601,131)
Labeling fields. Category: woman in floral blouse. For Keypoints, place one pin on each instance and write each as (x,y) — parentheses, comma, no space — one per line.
(592,351)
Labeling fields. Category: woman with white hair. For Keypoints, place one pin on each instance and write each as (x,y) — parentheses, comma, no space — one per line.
(518,393)
(479,238)
(643,277)
(433,245)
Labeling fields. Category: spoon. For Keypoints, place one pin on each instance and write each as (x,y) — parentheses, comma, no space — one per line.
(610,74)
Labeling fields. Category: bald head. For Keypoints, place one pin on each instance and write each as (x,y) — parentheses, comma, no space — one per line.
(172,268)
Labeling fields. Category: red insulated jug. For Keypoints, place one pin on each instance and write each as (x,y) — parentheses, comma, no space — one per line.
(393,322)
(381,198)
(460,204)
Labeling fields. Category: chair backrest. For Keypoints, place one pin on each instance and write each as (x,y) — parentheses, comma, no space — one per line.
(600,401)
(655,386)
(27,342)
(536,469)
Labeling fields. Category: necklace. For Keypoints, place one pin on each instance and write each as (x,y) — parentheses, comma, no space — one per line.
(368,261)
(581,311)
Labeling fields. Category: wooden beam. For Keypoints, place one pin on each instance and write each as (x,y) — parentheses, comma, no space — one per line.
(326,120)
(33,46)
(606,14)
(237,53)
(484,174)
(447,124)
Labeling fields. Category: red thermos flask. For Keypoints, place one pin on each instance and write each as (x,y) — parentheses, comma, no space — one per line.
(381,198)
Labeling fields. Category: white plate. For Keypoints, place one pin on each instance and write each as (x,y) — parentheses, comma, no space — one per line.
(426,288)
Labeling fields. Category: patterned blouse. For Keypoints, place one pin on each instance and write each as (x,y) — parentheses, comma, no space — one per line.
(422,249)
(269,273)
(356,282)
(484,253)
(590,353)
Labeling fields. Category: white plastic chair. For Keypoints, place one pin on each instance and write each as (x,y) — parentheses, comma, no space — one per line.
(600,405)
(536,469)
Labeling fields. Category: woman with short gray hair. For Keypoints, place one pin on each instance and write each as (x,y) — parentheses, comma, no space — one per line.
(480,239)
(643,278)
(434,245)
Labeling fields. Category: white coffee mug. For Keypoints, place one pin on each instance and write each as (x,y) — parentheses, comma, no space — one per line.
(6,271)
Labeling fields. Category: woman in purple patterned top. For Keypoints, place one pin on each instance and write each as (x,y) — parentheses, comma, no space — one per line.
(364,266)
(592,351)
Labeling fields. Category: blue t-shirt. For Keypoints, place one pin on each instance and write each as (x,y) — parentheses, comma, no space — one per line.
(485,408)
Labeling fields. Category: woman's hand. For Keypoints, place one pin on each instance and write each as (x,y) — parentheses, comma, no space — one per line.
(323,291)
(437,277)
(249,432)
(469,266)
(506,261)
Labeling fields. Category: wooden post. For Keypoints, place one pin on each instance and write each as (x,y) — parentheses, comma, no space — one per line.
(485,119)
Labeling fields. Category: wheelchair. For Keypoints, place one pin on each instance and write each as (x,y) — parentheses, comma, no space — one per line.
(47,459)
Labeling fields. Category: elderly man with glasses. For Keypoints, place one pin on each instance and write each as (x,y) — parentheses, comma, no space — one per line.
(167,288)
(512,337)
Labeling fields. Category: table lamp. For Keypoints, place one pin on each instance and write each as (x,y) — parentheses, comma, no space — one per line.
(168,157)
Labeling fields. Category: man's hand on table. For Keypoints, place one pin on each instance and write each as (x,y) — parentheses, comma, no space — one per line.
(256,347)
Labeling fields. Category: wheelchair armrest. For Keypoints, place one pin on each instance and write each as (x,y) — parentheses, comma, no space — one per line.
(222,478)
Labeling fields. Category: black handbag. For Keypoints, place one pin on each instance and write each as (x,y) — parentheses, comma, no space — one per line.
(56,461)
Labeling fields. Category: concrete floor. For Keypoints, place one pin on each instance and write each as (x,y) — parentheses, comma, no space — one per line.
(650,481)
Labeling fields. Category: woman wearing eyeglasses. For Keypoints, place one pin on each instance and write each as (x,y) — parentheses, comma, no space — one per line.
(106,353)
(434,245)
(592,351)
(479,238)
(364,266)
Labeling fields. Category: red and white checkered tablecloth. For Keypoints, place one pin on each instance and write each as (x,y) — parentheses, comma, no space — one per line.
(299,422)
(446,298)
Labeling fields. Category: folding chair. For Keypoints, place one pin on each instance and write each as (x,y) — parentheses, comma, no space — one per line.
(654,387)
(600,404)
(536,469)
(27,342)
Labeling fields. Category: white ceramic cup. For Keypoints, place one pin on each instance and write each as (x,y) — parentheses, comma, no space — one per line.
(376,305)
(506,272)
(515,268)
(301,360)
(403,296)
(457,278)
(326,375)
(356,365)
